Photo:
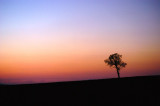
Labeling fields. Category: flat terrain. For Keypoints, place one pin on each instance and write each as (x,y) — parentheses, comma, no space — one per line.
(131,91)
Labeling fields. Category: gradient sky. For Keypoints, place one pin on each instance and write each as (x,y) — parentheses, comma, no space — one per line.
(66,40)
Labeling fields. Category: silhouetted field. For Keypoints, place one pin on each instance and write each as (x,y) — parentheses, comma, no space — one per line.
(131,91)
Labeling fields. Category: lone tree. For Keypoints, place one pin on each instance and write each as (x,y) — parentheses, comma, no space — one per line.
(115,60)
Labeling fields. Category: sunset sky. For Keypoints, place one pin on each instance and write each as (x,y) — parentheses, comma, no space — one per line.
(68,40)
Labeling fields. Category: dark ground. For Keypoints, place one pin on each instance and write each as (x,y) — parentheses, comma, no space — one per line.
(131,91)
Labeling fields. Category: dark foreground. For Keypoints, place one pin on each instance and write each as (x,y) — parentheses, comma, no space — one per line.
(133,91)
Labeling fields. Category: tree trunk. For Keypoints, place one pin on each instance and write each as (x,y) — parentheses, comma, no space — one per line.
(118,73)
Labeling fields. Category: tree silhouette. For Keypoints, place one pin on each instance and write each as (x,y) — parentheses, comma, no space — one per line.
(115,60)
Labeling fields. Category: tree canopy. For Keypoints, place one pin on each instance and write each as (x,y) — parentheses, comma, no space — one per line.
(115,60)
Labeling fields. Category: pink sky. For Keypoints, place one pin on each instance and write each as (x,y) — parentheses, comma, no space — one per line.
(50,41)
